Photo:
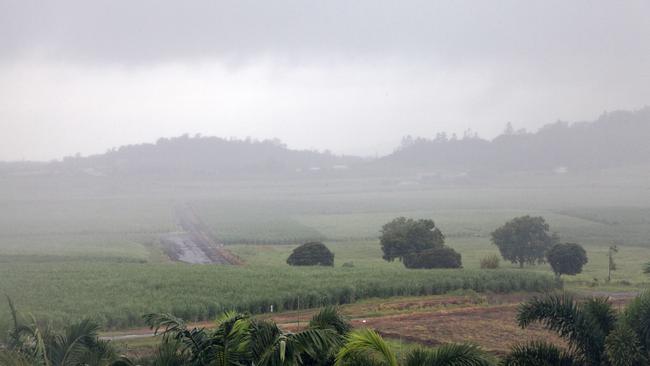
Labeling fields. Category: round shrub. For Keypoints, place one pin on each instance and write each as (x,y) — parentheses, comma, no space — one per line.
(444,257)
(490,262)
(567,258)
(311,254)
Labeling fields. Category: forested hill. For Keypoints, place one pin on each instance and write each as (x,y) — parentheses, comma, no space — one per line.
(615,139)
(197,156)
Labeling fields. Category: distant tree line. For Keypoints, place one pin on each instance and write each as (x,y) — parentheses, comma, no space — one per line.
(614,139)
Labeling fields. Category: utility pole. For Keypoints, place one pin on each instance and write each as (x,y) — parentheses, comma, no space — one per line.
(613,249)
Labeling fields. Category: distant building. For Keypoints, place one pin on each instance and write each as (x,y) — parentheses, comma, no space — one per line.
(561,170)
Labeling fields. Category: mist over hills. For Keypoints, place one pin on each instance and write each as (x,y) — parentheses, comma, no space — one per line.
(199,156)
(615,139)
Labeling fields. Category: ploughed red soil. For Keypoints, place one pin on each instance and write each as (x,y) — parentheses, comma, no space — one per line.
(493,327)
(486,320)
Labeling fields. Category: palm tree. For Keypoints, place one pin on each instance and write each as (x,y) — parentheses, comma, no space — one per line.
(367,347)
(629,343)
(271,346)
(595,333)
(366,344)
(539,353)
(448,355)
(329,318)
(227,344)
(585,326)
(34,343)
(239,339)
(9,358)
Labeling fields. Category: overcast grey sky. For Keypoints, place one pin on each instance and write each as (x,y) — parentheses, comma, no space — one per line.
(350,76)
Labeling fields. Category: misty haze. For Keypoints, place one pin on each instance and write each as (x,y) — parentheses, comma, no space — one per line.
(324,183)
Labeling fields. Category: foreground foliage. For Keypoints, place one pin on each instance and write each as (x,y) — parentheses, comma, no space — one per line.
(241,340)
(37,344)
(237,340)
(595,332)
(366,347)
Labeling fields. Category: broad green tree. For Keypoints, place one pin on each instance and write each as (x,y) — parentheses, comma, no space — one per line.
(404,236)
(311,254)
(566,258)
(444,257)
(524,240)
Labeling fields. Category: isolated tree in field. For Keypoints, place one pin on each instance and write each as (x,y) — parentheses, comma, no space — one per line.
(311,254)
(524,240)
(444,257)
(402,237)
(566,258)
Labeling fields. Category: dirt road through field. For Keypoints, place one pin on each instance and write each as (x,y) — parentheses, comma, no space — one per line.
(196,243)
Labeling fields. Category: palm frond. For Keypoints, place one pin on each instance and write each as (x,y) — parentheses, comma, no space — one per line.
(167,322)
(556,312)
(264,337)
(9,358)
(40,346)
(171,352)
(539,354)
(449,355)
(368,344)
(229,343)
(123,361)
(330,318)
(637,317)
(314,342)
(601,313)
(270,346)
(624,348)
(19,330)
(584,326)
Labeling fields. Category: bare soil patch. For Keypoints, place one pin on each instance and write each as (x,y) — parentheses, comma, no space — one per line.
(197,244)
